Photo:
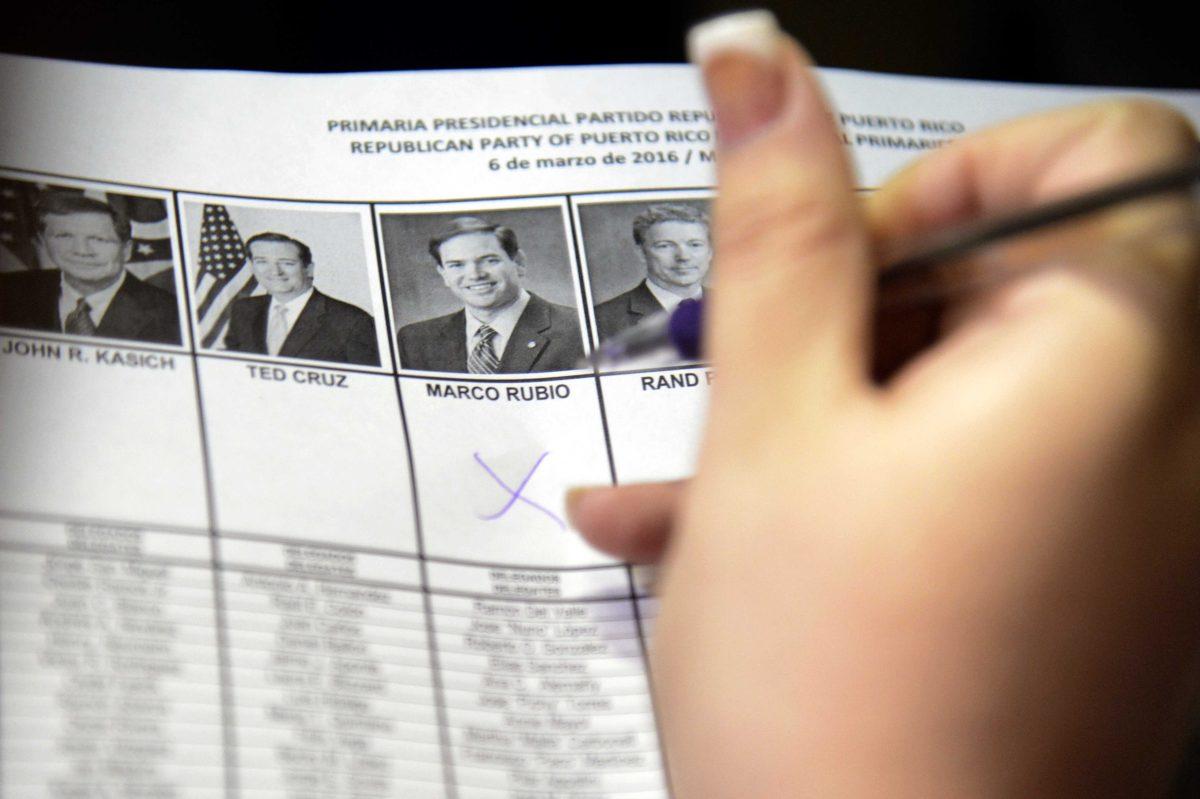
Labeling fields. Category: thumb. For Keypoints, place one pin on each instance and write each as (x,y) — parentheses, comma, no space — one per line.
(792,286)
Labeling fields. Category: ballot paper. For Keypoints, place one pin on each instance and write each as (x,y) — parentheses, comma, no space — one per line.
(290,395)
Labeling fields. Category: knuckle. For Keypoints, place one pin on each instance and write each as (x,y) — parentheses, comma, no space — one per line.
(1108,326)
(1132,121)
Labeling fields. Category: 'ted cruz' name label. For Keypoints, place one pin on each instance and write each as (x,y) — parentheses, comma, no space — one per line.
(536,392)
(306,377)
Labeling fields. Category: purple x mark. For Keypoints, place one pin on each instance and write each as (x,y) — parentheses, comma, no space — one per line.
(514,494)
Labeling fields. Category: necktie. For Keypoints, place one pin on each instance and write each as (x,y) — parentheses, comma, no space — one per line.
(79,320)
(277,330)
(483,360)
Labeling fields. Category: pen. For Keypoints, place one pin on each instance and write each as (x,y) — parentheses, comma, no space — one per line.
(906,275)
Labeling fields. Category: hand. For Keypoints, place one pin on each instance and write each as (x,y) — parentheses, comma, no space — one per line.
(978,576)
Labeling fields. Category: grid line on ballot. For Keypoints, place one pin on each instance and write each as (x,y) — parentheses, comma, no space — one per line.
(439,699)
(225,535)
(27,515)
(42,730)
(642,637)
(19,582)
(228,732)
(302,200)
(588,305)
(282,540)
(246,358)
(305,658)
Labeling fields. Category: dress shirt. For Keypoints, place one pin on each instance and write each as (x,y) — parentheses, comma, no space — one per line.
(68,298)
(504,323)
(669,299)
(294,307)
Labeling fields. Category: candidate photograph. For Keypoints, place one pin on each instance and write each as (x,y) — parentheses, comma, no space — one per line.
(644,258)
(86,263)
(281,282)
(483,292)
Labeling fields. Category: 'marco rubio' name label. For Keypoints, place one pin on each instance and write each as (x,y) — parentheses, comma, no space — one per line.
(533,392)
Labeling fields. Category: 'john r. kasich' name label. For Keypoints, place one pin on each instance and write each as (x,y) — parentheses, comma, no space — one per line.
(101,356)
(535,392)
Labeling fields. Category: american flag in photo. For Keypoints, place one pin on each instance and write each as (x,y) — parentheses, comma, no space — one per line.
(225,274)
(151,256)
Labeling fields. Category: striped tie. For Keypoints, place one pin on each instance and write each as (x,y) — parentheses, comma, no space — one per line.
(79,320)
(482,359)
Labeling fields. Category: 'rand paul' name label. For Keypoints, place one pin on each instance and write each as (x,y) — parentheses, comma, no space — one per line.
(672,380)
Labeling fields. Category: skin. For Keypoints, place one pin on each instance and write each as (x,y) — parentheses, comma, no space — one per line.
(977,575)
(87,249)
(480,273)
(677,255)
(279,268)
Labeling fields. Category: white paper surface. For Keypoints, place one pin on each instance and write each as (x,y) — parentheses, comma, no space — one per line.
(313,574)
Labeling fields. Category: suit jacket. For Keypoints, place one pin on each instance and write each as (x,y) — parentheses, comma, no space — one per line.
(625,310)
(546,339)
(326,330)
(138,310)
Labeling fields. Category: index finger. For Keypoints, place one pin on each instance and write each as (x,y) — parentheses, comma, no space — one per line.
(1024,163)
(793,281)
(1030,161)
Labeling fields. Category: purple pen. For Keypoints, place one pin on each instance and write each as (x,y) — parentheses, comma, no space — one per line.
(914,273)
(678,330)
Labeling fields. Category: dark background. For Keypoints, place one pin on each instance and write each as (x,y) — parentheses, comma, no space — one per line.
(1046,41)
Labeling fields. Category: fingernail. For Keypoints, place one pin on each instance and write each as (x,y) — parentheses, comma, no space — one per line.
(739,56)
(576,496)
